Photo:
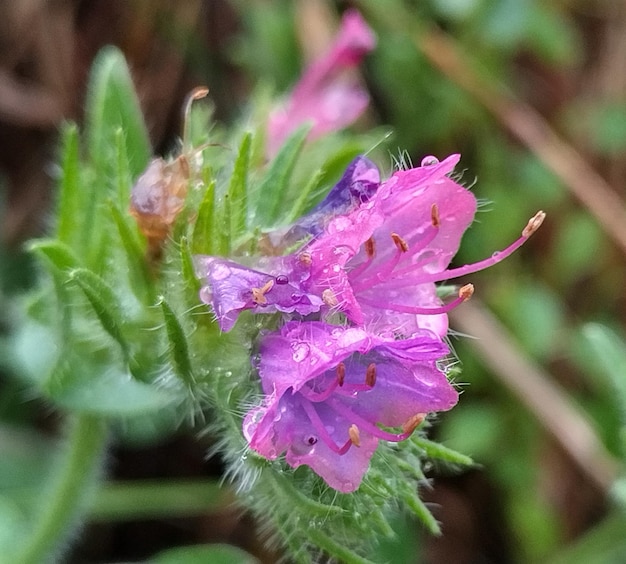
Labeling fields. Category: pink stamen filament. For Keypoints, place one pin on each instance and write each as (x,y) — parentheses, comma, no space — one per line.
(386,269)
(321,431)
(413,309)
(345,390)
(365,425)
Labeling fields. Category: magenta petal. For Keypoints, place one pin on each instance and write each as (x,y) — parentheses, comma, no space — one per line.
(326,95)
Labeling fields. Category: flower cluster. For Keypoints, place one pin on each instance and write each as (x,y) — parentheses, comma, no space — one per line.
(358,357)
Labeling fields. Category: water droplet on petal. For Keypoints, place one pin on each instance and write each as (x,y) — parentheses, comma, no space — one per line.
(300,351)
(206,295)
(282,279)
(495,255)
(429,160)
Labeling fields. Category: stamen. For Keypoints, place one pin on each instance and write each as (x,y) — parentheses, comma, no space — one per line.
(465,293)
(329,298)
(364,425)
(258,294)
(355,437)
(413,423)
(534,223)
(318,425)
(400,243)
(370,375)
(495,258)
(434,215)
(317,397)
(370,248)
(341,373)
(305,258)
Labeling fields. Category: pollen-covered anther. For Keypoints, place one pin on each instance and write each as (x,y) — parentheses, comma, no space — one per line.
(305,259)
(434,215)
(400,243)
(341,374)
(258,294)
(413,423)
(370,375)
(355,436)
(534,223)
(370,247)
(466,292)
(329,298)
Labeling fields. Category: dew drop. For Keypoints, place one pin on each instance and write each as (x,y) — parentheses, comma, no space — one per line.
(496,254)
(206,295)
(282,279)
(311,440)
(300,351)
(429,160)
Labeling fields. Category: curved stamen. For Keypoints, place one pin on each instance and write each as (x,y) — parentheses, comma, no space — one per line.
(319,427)
(368,427)
(465,293)
(386,269)
(498,256)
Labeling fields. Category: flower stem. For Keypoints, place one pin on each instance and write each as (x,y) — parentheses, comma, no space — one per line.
(68,488)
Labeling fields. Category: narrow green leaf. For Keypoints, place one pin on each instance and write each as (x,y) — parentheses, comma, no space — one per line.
(201,554)
(188,271)
(68,210)
(223,223)
(203,240)
(439,452)
(303,201)
(179,349)
(104,303)
(283,487)
(122,172)
(113,104)
(419,509)
(139,275)
(238,188)
(56,253)
(275,185)
(334,548)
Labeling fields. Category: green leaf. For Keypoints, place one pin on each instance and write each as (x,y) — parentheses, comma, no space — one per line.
(56,253)
(238,188)
(275,185)
(104,303)
(204,233)
(179,348)
(188,272)
(112,104)
(439,452)
(203,554)
(68,209)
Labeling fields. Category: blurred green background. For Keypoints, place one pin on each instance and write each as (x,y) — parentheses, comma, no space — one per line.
(533,94)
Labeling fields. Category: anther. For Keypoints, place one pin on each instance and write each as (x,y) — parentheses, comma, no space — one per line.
(258,294)
(466,292)
(533,224)
(413,423)
(329,298)
(434,215)
(370,247)
(355,436)
(305,259)
(370,375)
(400,243)
(341,373)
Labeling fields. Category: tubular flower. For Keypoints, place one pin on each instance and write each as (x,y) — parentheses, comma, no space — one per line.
(327,95)
(377,263)
(328,388)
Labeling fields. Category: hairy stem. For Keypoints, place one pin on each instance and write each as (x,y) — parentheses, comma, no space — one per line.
(70,483)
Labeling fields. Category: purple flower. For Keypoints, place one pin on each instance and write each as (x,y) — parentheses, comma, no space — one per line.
(377,264)
(327,95)
(328,388)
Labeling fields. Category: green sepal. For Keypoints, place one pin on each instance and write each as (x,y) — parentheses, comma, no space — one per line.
(178,346)
(139,276)
(274,188)
(55,253)
(238,189)
(188,271)
(437,451)
(104,303)
(302,203)
(203,238)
